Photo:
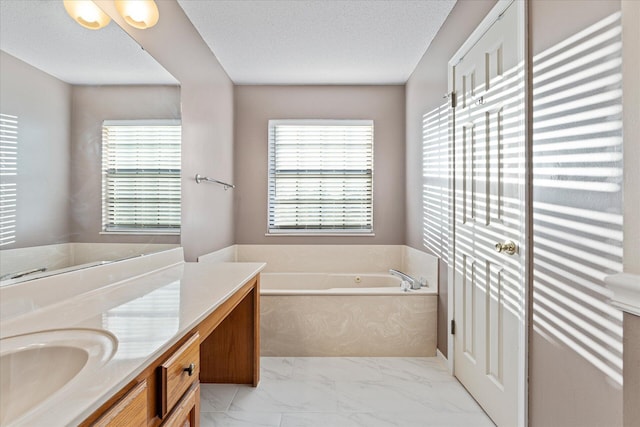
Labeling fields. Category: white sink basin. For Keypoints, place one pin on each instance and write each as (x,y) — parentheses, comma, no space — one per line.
(41,366)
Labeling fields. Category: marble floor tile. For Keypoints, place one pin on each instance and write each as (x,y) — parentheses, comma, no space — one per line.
(336,369)
(391,396)
(453,398)
(286,396)
(325,419)
(345,392)
(421,369)
(384,419)
(216,397)
(239,419)
(276,368)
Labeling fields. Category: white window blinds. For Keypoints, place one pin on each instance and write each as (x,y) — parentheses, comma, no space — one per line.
(8,175)
(320,176)
(141,176)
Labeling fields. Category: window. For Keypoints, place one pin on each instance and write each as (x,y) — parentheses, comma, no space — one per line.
(320,176)
(8,174)
(141,176)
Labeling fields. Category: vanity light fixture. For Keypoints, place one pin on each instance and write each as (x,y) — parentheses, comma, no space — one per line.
(87,14)
(141,14)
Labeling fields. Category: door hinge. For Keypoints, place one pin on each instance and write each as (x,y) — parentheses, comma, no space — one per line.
(453,327)
(452,99)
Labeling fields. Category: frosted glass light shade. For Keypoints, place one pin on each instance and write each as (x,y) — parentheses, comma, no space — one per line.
(141,14)
(87,14)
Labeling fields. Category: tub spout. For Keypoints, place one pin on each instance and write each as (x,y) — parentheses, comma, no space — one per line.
(415,284)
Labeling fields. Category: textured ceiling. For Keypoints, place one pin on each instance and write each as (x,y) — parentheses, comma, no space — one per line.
(319,41)
(41,34)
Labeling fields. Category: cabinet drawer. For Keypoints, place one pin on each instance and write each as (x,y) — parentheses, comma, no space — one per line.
(187,412)
(178,372)
(131,410)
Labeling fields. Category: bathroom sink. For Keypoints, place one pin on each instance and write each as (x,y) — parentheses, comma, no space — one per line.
(40,366)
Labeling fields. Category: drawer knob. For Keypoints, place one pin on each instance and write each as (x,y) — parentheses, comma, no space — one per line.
(190,369)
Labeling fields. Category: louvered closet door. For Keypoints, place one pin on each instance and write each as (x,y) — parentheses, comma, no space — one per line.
(488,284)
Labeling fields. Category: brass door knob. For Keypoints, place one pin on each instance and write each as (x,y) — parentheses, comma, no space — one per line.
(507,247)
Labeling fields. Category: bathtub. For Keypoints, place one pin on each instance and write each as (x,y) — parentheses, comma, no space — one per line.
(338,314)
(333,284)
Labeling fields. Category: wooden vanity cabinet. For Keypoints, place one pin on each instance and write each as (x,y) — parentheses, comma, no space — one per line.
(178,373)
(187,411)
(129,411)
(223,348)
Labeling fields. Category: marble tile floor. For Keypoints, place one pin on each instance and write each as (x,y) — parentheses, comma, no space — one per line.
(344,392)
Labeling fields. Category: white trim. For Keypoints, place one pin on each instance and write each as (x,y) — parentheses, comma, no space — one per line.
(493,15)
(146,122)
(523,349)
(319,234)
(143,233)
(626,292)
(271,125)
(527,221)
(444,360)
(321,122)
(451,342)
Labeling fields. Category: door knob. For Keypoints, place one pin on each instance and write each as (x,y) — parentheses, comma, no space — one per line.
(507,247)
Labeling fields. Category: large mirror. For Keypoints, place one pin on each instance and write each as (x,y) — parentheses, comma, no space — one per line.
(60,82)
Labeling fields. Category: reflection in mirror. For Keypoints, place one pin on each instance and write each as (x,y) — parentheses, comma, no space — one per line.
(59,82)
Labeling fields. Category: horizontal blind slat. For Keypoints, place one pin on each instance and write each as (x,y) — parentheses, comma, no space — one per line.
(320,176)
(8,172)
(141,177)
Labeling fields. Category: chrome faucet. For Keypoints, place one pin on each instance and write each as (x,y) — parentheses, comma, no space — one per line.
(415,284)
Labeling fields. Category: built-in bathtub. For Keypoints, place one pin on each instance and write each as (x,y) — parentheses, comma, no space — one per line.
(340,300)
(330,314)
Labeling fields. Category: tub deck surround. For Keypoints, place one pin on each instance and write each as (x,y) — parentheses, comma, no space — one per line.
(340,314)
(335,284)
(64,257)
(333,259)
(350,325)
(340,259)
(148,314)
(340,300)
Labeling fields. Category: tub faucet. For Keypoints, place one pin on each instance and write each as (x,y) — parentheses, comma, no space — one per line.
(415,284)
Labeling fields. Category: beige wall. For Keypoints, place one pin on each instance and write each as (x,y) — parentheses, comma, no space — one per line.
(568,385)
(575,340)
(255,105)
(424,92)
(631,98)
(631,370)
(90,106)
(42,104)
(207,124)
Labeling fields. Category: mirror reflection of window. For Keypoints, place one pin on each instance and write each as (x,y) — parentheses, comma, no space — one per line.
(8,173)
(141,176)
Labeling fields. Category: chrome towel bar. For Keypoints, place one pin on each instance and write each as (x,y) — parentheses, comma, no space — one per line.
(200,178)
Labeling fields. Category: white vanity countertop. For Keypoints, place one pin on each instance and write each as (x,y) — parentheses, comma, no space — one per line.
(147,315)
